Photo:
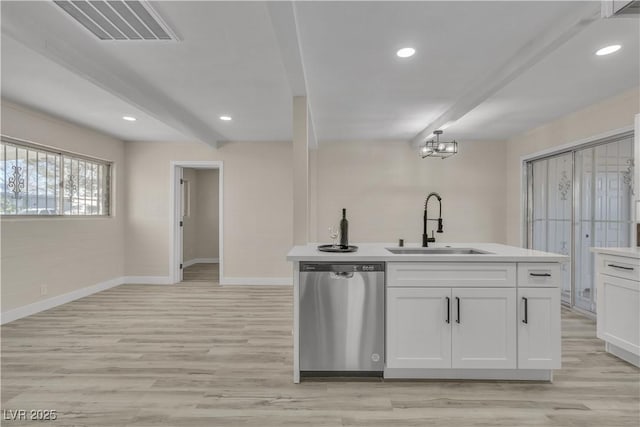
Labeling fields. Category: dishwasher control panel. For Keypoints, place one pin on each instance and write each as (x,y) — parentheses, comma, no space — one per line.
(342,267)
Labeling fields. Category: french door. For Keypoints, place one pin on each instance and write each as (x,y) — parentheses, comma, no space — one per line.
(579,199)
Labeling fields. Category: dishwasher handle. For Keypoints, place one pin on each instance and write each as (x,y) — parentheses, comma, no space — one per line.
(341,274)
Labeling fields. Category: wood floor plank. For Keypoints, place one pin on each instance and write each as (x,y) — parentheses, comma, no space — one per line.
(198,354)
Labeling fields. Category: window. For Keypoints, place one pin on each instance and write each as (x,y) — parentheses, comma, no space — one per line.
(39,181)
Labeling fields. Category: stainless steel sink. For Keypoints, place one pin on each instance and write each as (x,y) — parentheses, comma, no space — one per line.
(440,251)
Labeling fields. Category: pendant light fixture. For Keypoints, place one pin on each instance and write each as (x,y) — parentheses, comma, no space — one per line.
(437,148)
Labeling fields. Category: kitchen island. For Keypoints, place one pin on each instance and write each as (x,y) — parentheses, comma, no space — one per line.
(617,277)
(450,311)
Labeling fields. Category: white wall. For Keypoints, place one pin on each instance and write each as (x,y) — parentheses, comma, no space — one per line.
(257,206)
(66,254)
(383,186)
(610,114)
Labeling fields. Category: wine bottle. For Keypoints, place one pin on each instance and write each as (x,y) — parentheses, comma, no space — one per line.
(344,229)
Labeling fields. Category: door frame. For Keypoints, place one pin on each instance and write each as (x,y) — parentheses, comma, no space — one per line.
(175,243)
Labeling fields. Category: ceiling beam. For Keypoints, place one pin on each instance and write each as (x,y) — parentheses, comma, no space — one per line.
(528,55)
(79,55)
(285,27)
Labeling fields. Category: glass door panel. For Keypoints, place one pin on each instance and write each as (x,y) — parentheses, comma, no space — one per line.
(603,210)
(551,211)
(590,188)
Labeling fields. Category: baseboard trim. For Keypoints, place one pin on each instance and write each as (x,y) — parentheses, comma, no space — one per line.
(622,353)
(470,374)
(200,261)
(147,280)
(38,306)
(257,281)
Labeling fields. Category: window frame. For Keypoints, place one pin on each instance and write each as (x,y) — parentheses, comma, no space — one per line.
(62,155)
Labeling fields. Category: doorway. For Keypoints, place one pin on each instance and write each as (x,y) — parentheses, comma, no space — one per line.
(197,219)
(578,199)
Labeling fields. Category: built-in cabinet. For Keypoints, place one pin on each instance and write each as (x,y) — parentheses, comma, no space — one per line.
(418,327)
(539,334)
(450,328)
(483,332)
(472,316)
(618,323)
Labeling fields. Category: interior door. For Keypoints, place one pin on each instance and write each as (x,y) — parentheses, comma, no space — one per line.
(180,211)
(483,328)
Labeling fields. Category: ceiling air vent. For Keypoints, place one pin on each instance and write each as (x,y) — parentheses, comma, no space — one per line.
(119,20)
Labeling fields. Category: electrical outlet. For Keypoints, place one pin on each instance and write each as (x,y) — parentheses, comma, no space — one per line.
(43,290)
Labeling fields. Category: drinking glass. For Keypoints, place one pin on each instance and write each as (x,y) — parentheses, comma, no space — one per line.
(333,233)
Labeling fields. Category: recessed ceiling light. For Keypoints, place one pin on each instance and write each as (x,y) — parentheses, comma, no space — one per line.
(608,49)
(129,118)
(406,52)
(225,118)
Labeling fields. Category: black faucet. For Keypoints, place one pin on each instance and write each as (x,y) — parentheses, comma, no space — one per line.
(425,237)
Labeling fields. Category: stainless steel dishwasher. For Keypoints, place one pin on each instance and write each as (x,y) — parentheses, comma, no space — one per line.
(341,318)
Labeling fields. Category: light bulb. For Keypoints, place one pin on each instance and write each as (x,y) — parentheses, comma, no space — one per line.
(406,52)
(608,50)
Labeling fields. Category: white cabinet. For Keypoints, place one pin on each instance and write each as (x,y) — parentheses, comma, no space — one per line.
(539,275)
(619,299)
(539,328)
(484,331)
(472,320)
(448,274)
(451,328)
(618,305)
(418,332)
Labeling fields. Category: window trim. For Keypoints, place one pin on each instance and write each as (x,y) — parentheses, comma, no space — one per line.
(69,154)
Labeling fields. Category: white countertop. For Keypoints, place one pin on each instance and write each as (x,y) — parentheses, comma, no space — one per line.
(377,252)
(628,252)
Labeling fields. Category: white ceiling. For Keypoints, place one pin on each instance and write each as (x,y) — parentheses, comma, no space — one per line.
(361,89)
(71,97)
(569,79)
(227,63)
(231,60)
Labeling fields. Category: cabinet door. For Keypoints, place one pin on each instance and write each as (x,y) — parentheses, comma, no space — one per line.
(619,312)
(418,334)
(483,328)
(539,328)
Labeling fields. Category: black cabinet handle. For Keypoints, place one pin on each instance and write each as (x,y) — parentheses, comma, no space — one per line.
(619,266)
(458,306)
(540,274)
(526,309)
(448,310)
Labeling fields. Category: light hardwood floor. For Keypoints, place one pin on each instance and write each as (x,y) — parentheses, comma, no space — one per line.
(203,355)
(202,273)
